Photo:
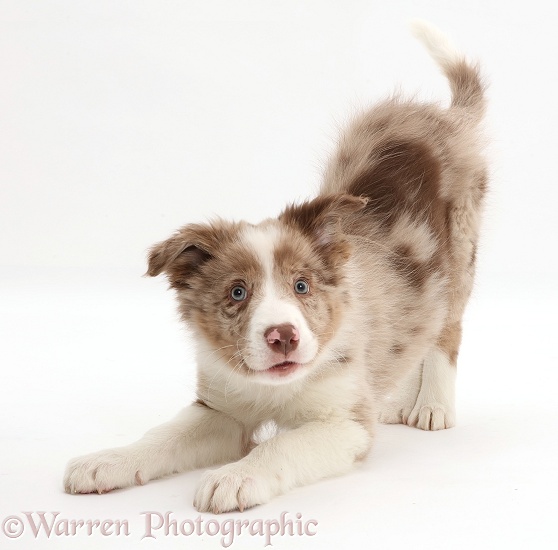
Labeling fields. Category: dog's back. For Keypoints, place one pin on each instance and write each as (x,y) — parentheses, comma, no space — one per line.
(422,171)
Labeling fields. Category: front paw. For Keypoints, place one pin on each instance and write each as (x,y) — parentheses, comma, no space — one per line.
(102,472)
(232,487)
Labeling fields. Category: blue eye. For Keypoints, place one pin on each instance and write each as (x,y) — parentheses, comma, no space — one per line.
(301,287)
(239,293)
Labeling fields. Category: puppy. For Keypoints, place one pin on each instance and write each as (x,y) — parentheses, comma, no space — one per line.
(342,310)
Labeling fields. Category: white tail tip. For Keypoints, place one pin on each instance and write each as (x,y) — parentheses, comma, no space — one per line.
(436,42)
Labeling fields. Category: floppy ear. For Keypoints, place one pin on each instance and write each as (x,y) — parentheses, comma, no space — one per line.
(320,217)
(182,255)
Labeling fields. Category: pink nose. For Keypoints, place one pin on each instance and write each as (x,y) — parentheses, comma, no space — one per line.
(282,338)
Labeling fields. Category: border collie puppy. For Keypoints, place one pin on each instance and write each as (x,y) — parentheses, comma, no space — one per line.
(342,311)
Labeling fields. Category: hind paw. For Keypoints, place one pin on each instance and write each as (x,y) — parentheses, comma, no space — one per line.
(432,416)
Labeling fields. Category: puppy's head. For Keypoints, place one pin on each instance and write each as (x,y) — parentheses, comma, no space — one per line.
(268,298)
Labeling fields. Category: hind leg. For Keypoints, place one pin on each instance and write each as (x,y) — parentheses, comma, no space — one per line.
(435,405)
(398,405)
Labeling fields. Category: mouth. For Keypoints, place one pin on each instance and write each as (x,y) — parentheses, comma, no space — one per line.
(283,369)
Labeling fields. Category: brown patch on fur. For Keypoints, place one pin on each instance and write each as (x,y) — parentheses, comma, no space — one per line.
(416,273)
(397,348)
(449,341)
(297,256)
(403,176)
(311,216)
(319,219)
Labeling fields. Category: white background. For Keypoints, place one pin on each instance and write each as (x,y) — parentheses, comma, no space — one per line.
(121,121)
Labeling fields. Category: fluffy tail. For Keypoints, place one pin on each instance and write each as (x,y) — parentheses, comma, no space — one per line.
(466,85)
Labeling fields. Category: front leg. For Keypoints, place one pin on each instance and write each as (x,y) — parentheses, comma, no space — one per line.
(197,437)
(303,455)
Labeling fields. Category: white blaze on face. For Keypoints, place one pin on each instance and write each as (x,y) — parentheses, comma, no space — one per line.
(276,304)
